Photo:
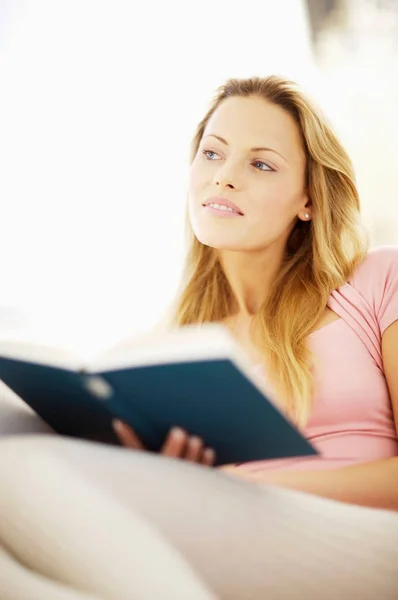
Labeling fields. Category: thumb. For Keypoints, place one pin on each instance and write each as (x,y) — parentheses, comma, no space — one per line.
(127,435)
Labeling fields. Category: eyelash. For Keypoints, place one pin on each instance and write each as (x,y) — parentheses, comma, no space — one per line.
(206,152)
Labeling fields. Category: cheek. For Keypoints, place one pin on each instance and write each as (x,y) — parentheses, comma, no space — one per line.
(195,175)
(193,191)
(197,187)
(274,210)
(194,196)
(200,176)
(192,183)
(281,198)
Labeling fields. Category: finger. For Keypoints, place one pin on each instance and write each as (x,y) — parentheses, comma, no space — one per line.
(194,450)
(209,457)
(176,443)
(227,468)
(238,473)
(127,436)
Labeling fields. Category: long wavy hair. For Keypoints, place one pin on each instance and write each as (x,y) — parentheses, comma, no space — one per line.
(320,255)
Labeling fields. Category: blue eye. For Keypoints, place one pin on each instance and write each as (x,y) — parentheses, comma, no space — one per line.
(209,154)
(263,166)
(258,164)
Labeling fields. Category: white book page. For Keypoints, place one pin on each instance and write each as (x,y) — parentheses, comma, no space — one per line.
(29,335)
(189,343)
(186,344)
(29,348)
(58,339)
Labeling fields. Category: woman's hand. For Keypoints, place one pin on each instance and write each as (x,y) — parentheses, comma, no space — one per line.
(178,444)
(234,471)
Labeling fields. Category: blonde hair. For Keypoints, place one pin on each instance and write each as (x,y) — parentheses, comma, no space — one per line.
(320,255)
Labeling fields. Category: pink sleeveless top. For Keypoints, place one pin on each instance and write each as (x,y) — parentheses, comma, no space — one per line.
(352,419)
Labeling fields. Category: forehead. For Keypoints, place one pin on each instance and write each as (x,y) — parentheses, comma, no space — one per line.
(254,122)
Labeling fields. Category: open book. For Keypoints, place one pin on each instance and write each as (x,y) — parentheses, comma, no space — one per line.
(197,378)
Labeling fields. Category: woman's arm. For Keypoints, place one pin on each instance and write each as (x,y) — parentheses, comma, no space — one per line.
(372,484)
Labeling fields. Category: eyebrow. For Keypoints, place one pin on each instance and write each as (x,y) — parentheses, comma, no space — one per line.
(255,149)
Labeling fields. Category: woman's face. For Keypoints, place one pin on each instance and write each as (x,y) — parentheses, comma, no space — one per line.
(251,155)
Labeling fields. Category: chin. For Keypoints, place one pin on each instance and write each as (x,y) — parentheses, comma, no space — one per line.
(219,234)
(218,241)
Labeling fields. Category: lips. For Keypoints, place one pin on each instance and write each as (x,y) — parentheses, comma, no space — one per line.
(223,202)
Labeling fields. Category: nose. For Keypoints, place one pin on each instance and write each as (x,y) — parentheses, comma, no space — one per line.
(226,177)
(221,184)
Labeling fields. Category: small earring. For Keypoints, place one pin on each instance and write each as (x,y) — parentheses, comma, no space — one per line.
(306,216)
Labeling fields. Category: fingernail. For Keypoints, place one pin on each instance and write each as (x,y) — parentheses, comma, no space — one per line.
(210,454)
(196,440)
(118,426)
(177,432)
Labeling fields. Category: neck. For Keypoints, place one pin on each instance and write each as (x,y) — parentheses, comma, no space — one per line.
(251,275)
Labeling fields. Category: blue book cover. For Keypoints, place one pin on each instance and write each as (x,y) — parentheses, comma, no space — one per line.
(194,378)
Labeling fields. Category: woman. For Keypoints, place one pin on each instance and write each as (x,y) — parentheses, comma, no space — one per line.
(274,268)
(278,255)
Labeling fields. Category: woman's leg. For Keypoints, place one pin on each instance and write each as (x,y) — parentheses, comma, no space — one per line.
(64,528)
(245,541)
(19,583)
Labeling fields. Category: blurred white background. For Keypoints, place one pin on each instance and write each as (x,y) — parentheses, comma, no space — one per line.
(99,100)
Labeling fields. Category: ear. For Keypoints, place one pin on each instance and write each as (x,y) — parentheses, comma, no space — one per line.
(305,213)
